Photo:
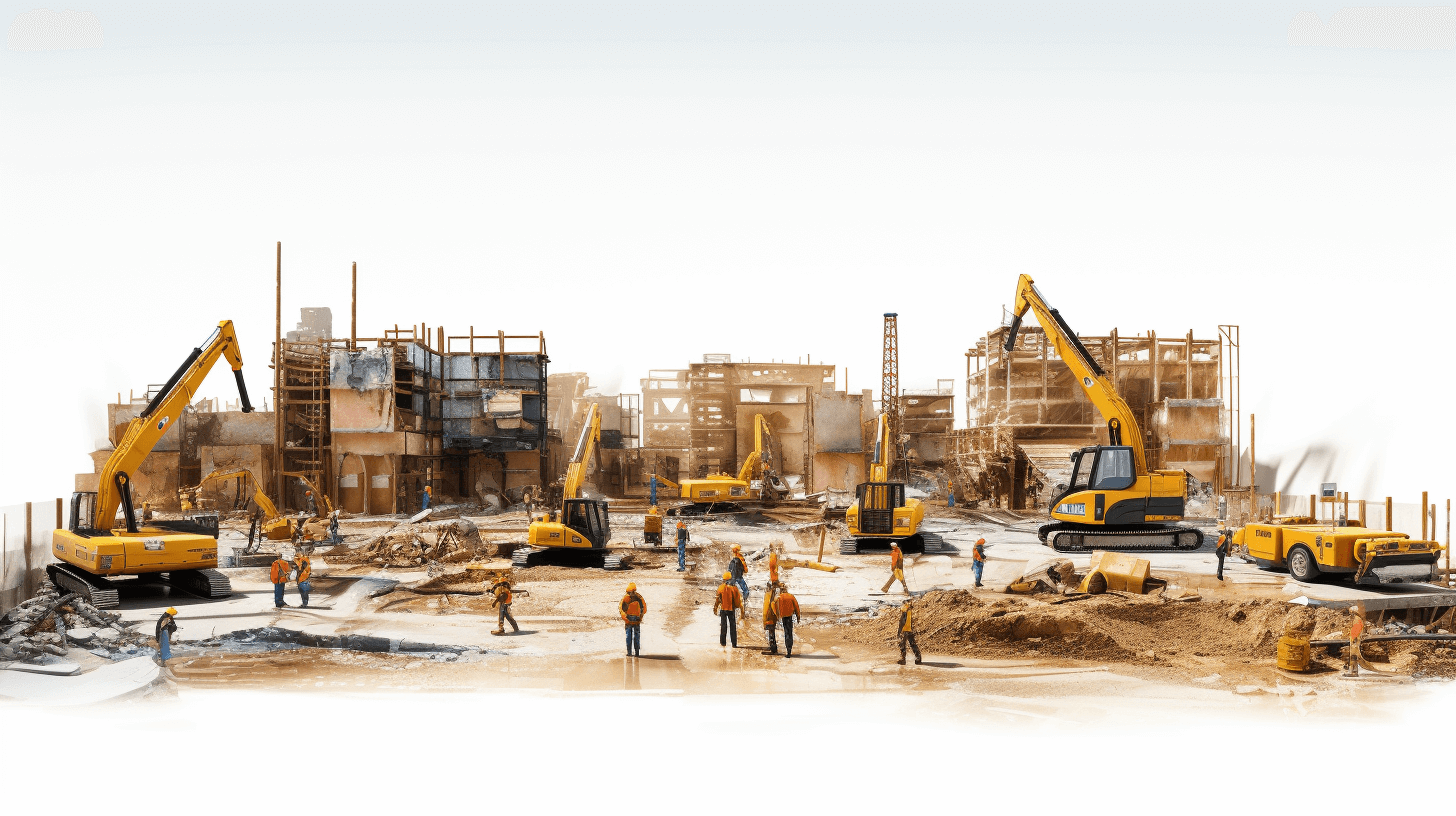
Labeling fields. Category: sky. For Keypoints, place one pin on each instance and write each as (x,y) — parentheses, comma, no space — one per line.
(649,182)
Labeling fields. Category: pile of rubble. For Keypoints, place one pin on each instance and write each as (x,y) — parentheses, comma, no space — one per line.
(50,623)
(414,545)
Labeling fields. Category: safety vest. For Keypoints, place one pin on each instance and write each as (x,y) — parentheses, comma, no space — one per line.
(897,559)
(503,594)
(773,566)
(304,567)
(788,605)
(770,614)
(1357,628)
(907,626)
(633,608)
(729,598)
(978,552)
(279,574)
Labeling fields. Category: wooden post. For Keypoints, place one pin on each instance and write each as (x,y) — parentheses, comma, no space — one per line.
(27,586)
(1153,358)
(278,383)
(1425,500)
(1278,502)
(1362,512)
(1389,515)
(1448,540)
(1188,366)
(354,309)
(1041,409)
(824,531)
(1313,508)
(1253,463)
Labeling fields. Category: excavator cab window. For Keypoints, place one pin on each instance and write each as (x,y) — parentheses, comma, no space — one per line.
(1114,469)
(83,507)
(588,517)
(1082,469)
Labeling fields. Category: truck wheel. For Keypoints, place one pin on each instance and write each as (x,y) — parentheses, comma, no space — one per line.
(1302,565)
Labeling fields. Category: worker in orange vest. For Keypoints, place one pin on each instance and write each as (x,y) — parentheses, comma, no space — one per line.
(503,598)
(726,601)
(425,498)
(279,574)
(788,609)
(907,632)
(1357,633)
(897,569)
(978,558)
(303,570)
(633,609)
(738,567)
(770,621)
(312,505)
(682,545)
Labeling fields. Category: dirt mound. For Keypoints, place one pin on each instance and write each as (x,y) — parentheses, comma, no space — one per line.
(412,545)
(1107,627)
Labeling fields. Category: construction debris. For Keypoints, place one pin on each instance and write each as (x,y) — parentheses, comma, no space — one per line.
(50,623)
(414,545)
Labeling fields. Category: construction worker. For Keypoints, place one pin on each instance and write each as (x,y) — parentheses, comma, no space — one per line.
(279,574)
(788,609)
(727,600)
(146,511)
(633,609)
(907,632)
(1357,634)
(425,498)
(334,528)
(310,504)
(950,494)
(978,558)
(738,568)
(303,568)
(166,630)
(770,622)
(503,597)
(1225,539)
(682,545)
(897,569)
(773,566)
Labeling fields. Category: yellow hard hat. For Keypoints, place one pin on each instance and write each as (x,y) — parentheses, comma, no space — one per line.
(727,576)
(631,587)
(171,610)
(736,548)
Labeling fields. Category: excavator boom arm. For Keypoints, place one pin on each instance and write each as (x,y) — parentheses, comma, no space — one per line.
(880,465)
(143,433)
(259,498)
(761,429)
(1122,425)
(591,435)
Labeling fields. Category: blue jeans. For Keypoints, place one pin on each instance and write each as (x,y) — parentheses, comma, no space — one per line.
(634,636)
(278,594)
(742,587)
(424,501)
(727,627)
(978,566)
(682,553)
(164,645)
(303,589)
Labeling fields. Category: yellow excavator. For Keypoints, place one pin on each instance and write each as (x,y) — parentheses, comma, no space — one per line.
(582,526)
(719,491)
(1113,501)
(276,527)
(93,551)
(881,513)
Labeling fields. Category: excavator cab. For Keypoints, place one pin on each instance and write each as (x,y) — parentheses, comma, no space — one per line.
(590,519)
(877,504)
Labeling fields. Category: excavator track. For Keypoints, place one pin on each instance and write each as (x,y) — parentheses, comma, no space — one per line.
(929,543)
(97,591)
(204,583)
(1077,538)
(525,557)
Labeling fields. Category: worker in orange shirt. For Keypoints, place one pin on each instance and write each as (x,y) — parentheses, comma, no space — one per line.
(303,570)
(726,601)
(907,632)
(633,609)
(279,574)
(1357,634)
(682,545)
(978,558)
(770,622)
(897,569)
(425,498)
(788,609)
(312,506)
(738,567)
(503,598)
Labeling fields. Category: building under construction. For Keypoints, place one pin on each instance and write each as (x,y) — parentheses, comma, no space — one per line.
(1026,413)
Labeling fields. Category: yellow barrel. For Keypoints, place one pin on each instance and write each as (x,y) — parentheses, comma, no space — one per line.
(1293,653)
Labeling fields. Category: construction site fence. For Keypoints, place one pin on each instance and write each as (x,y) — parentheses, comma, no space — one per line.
(27,534)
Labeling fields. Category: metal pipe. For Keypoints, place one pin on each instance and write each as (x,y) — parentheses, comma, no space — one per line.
(278,465)
(354,309)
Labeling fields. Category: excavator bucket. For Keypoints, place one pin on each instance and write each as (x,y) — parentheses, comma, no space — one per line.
(1118,571)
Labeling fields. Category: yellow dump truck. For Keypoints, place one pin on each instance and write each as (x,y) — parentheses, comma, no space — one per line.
(1310,551)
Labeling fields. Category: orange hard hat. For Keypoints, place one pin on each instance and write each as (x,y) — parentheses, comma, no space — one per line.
(980,541)
(727,576)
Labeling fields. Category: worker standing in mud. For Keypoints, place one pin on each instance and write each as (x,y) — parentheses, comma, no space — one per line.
(1225,538)
(303,568)
(739,570)
(166,630)
(897,569)
(633,609)
(279,574)
(726,601)
(978,559)
(788,609)
(907,632)
(682,545)
(503,598)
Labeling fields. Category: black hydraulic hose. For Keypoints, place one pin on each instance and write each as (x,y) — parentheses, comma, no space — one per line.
(172,383)
(243,390)
(1076,341)
(1011,335)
